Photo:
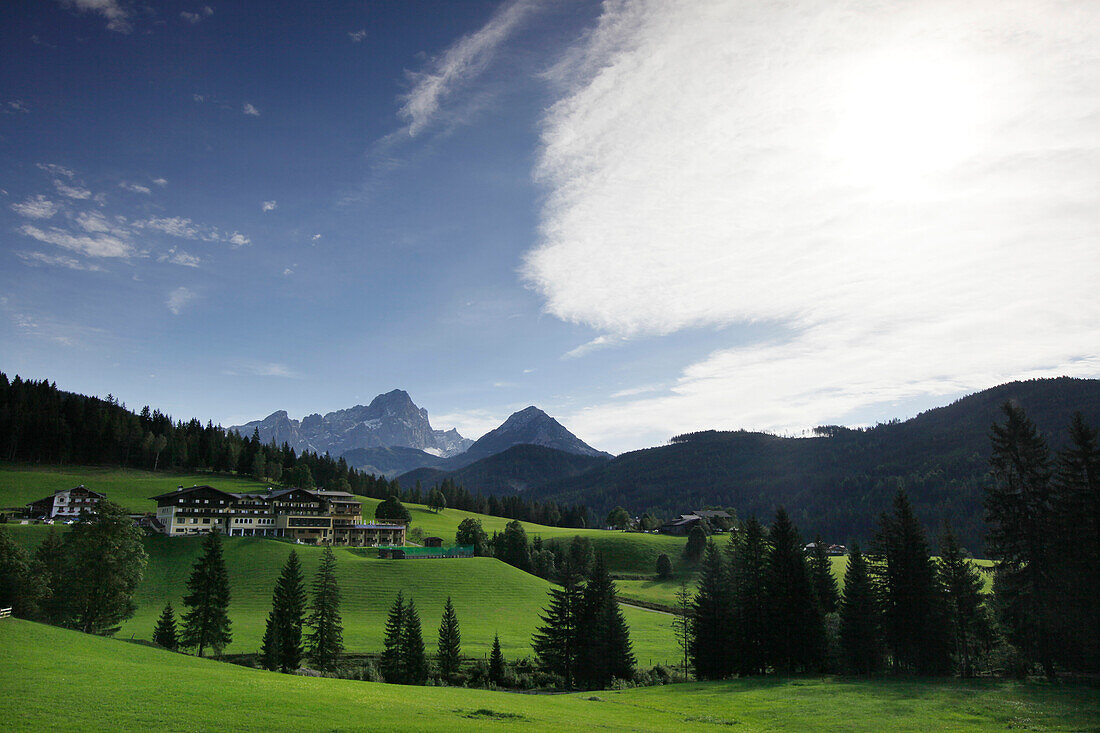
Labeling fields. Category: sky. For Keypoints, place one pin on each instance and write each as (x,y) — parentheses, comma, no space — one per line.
(645,217)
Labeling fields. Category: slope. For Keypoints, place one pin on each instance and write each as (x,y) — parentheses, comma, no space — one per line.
(511,471)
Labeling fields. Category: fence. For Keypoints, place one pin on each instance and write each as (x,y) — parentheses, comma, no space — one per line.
(416,553)
(5,612)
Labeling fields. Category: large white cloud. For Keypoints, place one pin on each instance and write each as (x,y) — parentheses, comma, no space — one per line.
(909,193)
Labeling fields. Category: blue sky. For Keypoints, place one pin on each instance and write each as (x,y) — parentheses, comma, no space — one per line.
(644,217)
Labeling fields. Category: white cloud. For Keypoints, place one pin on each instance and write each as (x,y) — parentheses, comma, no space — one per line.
(269,206)
(599,342)
(178,299)
(177,226)
(460,63)
(200,98)
(135,187)
(36,207)
(73,192)
(907,193)
(357,36)
(316,237)
(56,170)
(15,105)
(246,368)
(40,258)
(288,272)
(99,245)
(162,182)
(195,18)
(118,19)
(249,109)
(179,257)
(239,240)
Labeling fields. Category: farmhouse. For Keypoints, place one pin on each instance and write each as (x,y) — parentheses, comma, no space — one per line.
(313,517)
(683,524)
(65,503)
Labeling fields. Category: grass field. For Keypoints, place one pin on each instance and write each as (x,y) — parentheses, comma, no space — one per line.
(58,680)
(625,552)
(489,596)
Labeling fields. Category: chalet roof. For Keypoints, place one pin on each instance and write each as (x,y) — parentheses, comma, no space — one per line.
(336,495)
(712,514)
(183,491)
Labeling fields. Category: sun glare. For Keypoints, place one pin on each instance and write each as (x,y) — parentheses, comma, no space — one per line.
(902,118)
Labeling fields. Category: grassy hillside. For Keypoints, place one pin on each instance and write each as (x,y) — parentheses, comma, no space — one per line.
(62,680)
(129,487)
(489,596)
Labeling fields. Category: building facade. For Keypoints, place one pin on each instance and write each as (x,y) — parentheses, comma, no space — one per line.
(311,517)
(66,503)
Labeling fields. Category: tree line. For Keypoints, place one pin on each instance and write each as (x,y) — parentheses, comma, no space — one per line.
(41,424)
(762,606)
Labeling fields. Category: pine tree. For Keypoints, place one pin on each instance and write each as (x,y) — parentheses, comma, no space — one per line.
(282,641)
(711,621)
(682,624)
(326,639)
(496,662)
(748,582)
(604,652)
(391,664)
(556,642)
(913,612)
(165,632)
(207,623)
(1020,513)
(859,622)
(795,620)
(664,567)
(450,652)
(413,658)
(821,574)
(1077,542)
(962,585)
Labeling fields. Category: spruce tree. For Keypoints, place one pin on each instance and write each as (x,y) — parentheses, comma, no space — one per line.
(326,638)
(604,652)
(496,662)
(1077,545)
(796,622)
(556,642)
(664,567)
(682,624)
(165,632)
(288,605)
(391,664)
(962,585)
(207,624)
(413,658)
(450,652)
(913,611)
(748,583)
(271,644)
(859,622)
(1021,517)
(711,622)
(821,574)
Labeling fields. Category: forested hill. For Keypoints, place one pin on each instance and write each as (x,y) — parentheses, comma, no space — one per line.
(512,471)
(837,484)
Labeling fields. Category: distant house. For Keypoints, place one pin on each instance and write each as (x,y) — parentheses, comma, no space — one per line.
(65,503)
(433,542)
(683,524)
(829,549)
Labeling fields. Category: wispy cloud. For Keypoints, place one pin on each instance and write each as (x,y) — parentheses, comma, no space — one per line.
(36,259)
(73,192)
(599,342)
(470,423)
(247,368)
(239,240)
(462,62)
(179,257)
(162,182)
(250,109)
(179,299)
(315,238)
(195,18)
(176,226)
(36,207)
(357,36)
(908,193)
(118,18)
(269,206)
(100,245)
(57,170)
(13,106)
(135,188)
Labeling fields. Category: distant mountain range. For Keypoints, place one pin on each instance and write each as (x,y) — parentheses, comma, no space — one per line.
(390,420)
(392,436)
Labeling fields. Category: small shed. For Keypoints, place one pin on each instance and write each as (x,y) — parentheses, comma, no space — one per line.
(433,542)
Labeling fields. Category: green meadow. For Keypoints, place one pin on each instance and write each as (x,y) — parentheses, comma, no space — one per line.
(489,596)
(60,680)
